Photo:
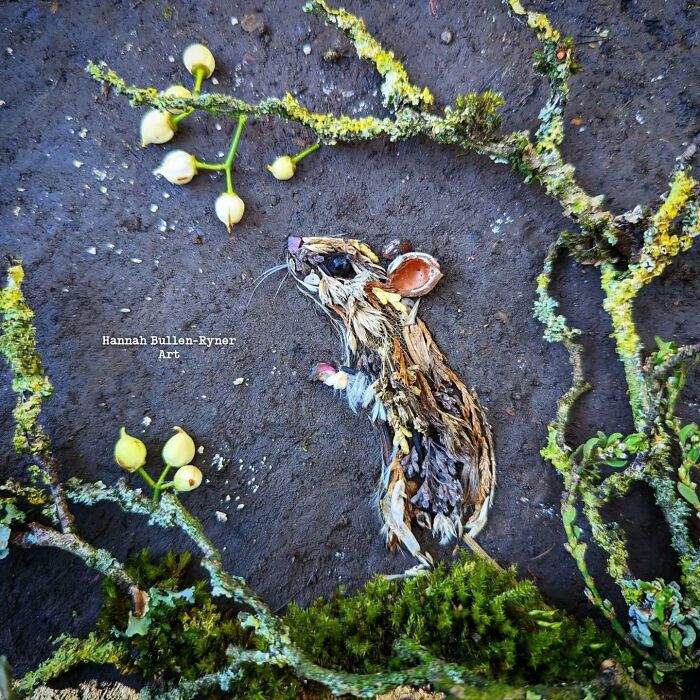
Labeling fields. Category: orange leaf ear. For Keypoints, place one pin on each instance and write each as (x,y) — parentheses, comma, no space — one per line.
(414,274)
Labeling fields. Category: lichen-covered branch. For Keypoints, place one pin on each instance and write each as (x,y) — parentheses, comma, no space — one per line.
(102,561)
(32,386)
(397,89)
(70,653)
(472,123)
(664,617)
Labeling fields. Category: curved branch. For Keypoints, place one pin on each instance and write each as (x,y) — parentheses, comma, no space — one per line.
(37,535)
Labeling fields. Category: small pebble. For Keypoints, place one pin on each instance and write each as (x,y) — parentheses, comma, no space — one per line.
(91,250)
(239,381)
(253,22)
(221,517)
(446,37)
(240,506)
(396,247)
(306,49)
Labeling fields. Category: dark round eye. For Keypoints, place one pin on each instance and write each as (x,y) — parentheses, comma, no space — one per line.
(337,265)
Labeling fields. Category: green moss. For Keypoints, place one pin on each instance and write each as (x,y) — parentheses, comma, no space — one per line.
(487,620)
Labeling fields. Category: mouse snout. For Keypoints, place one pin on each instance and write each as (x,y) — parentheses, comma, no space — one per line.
(293,244)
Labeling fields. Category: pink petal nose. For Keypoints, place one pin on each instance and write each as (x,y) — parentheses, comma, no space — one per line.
(293,244)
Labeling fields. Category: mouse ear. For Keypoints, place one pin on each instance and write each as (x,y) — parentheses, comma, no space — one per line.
(414,274)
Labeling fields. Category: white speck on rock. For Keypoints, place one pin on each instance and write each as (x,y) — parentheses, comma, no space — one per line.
(238,381)
(78,163)
(153,208)
(240,506)
(221,517)
(91,250)
(306,49)
(146,421)
(125,310)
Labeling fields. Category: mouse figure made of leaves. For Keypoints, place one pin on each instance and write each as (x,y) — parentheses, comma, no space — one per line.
(438,466)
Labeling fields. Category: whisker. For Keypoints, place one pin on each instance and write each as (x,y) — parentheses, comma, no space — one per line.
(284,279)
(262,277)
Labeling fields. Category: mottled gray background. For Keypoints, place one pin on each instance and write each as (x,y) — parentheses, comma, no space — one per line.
(308,526)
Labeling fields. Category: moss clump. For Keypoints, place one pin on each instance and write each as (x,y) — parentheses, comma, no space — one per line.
(487,620)
(185,640)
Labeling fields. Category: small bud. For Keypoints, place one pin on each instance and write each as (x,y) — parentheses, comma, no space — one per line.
(129,452)
(229,209)
(156,127)
(179,450)
(187,478)
(339,380)
(283,168)
(198,56)
(330,376)
(178,167)
(176,91)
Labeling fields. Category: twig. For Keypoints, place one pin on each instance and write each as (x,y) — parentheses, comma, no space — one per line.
(37,535)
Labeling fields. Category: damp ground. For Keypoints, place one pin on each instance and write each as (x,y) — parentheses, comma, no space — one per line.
(109,250)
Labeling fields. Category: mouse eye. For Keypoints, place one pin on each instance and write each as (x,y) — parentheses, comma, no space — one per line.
(337,265)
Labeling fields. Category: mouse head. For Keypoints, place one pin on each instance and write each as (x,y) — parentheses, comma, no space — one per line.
(339,270)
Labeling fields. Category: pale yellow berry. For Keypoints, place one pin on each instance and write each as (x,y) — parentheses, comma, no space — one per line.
(198,56)
(283,168)
(229,209)
(156,127)
(187,478)
(129,452)
(176,91)
(179,450)
(178,167)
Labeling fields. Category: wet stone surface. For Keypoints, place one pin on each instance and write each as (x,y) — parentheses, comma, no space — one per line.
(110,250)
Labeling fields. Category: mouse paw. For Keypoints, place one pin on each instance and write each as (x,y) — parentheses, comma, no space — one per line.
(330,375)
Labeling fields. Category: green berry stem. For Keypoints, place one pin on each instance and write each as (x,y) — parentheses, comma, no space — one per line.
(232,152)
(146,477)
(179,117)
(198,78)
(158,487)
(305,152)
(209,166)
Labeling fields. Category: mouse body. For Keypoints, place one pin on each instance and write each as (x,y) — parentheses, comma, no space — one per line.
(438,464)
